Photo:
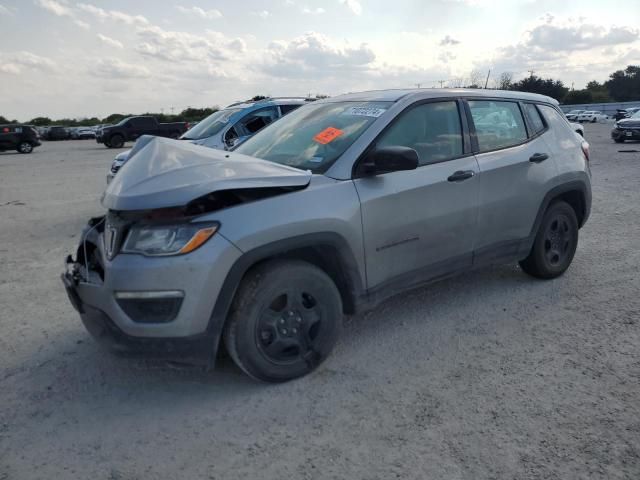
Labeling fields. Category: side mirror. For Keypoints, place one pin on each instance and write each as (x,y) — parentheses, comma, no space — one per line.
(389,159)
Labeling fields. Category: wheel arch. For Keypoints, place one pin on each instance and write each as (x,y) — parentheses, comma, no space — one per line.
(327,250)
(576,193)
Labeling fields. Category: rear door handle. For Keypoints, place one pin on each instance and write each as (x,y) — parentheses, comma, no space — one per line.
(461,175)
(538,157)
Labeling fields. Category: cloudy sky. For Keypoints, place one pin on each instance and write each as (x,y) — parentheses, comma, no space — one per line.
(95,57)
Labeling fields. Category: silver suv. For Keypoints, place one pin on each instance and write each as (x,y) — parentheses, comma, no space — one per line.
(334,208)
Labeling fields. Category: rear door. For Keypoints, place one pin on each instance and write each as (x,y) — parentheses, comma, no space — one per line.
(517,169)
(420,224)
(8,138)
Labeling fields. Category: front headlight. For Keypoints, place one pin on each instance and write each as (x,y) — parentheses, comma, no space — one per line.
(159,240)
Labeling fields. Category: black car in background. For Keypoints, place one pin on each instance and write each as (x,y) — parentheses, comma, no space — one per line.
(22,138)
(627,128)
(131,128)
(625,113)
(58,133)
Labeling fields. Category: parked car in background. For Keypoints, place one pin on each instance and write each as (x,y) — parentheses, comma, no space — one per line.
(58,133)
(592,116)
(84,133)
(132,128)
(22,138)
(322,214)
(229,127)
(572,116)
(626,113)
(627,128)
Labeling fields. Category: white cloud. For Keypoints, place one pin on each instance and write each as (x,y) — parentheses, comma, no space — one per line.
(5,10)
(81,24)
(112,15)
(182,46)
(313,52)
(353,5)
(114,68)
(57,8)
(313,11)
(262,14)
(10,68)
(448,40)
(200,12)
(110,41)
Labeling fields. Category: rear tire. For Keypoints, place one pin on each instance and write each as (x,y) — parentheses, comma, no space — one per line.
(25,147)
(618,140)
(555,243)
(285,320)
(116,141)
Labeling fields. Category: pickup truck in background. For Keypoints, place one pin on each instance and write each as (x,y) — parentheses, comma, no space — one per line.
(130,128)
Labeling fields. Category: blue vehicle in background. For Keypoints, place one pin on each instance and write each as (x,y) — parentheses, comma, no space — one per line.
(230,126)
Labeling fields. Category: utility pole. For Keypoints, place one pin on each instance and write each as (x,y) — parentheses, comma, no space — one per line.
(487,80)
(172,110)
(531,72)
(162,110)
(418,85)
(441,82)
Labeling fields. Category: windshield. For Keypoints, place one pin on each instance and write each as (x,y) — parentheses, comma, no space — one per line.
(636,115)
(211,125)
(314,136)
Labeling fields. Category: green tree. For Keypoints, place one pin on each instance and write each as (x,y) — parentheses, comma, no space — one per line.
(551,88)
(3,120)
(624,85)
(41,121)
(575,97)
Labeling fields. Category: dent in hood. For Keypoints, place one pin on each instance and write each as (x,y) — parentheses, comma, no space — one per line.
(162,173)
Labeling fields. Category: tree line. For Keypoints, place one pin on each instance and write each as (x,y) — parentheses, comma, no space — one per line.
(622,86)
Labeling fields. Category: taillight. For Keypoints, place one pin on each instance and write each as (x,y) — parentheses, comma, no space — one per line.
(585,150)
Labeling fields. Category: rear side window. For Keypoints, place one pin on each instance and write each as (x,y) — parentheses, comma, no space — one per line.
(431,129)
(257,120)
(288,108)
(498,124)
(535,120)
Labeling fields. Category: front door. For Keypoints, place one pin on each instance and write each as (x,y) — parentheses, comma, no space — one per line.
(420,224)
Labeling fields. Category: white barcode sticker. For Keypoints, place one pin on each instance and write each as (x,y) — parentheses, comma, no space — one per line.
(365,111)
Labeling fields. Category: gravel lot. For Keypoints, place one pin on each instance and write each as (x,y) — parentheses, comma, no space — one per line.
(493,375)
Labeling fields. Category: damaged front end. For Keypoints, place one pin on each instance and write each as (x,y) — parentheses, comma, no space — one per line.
(146,276)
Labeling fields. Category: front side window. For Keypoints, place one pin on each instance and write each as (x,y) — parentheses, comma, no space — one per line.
(288,108)
(432,129)
(537,124)
(314,136)
(498,124)
(257,120)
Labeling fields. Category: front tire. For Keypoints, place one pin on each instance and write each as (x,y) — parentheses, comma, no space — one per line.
(25,147)
(116,141)
(555,243)
(618,140)
(285,320)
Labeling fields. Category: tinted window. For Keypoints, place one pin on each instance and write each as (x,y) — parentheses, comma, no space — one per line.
(498,124)
(535,120)
(211,125)
(143,122)
(288,108)
(432,129)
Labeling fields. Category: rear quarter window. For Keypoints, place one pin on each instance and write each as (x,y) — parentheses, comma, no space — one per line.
(499,124)
(534,117)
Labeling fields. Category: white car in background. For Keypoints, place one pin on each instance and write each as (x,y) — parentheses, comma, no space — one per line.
(572,116)
(591,116)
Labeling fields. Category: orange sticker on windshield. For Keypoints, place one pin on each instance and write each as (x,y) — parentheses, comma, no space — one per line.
(328,135)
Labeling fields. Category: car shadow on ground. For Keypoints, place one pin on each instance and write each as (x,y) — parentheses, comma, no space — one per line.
(76,366)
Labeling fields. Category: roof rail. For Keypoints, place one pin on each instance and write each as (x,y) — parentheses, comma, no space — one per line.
(268,99)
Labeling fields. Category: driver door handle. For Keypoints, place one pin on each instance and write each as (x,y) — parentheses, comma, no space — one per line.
(461,175)
(538,157)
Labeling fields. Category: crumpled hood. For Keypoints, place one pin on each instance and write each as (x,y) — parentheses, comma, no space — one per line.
(163,173)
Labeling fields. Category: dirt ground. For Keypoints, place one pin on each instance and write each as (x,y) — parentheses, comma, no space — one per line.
(494,375)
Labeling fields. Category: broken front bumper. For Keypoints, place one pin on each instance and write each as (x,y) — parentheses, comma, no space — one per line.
(150,305)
